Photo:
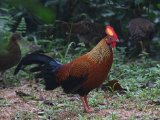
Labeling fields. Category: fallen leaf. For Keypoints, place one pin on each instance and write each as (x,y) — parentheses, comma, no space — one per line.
(113,85)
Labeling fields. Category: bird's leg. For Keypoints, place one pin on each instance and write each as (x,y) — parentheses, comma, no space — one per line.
(3,79)
(85,104)
(142,47)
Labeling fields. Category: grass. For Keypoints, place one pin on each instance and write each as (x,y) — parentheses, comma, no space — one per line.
(141,101)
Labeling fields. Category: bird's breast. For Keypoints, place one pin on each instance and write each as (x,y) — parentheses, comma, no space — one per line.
(98,73)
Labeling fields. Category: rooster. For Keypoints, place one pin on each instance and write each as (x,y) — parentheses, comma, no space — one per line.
(81,75)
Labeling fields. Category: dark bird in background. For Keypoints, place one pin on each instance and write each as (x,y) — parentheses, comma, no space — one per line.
(81,75)
(88,32)
(10,53)
(141,33)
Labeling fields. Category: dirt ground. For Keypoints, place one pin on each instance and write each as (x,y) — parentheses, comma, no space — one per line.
(13,106)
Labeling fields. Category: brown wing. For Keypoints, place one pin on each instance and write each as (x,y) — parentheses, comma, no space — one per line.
(73,75)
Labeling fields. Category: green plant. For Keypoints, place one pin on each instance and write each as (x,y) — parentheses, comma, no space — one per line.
(22,26)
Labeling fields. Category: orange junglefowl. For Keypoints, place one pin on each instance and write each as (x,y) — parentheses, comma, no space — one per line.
(81,75)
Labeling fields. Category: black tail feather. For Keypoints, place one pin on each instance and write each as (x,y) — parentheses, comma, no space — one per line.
(46,69)
(36,58)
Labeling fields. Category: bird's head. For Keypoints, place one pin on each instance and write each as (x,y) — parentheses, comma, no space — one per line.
(112,37)
(16,36)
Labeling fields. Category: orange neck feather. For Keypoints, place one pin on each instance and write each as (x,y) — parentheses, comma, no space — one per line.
(100,52)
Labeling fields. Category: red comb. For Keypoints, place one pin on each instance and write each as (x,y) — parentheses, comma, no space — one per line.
(110,31)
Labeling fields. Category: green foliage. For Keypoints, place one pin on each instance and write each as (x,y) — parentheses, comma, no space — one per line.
(80,49)
(25,115)
(22,26)
(4,102)
(4,23)
(36,8)
(46,45)
(4,41)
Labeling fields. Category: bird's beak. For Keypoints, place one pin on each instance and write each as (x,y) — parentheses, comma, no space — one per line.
(117,40)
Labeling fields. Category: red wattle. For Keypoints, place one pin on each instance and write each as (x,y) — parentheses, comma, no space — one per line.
(113,45)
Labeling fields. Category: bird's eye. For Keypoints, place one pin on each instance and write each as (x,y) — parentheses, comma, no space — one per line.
(110,38)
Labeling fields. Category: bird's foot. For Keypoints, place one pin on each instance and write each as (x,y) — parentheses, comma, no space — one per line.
(89,110)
